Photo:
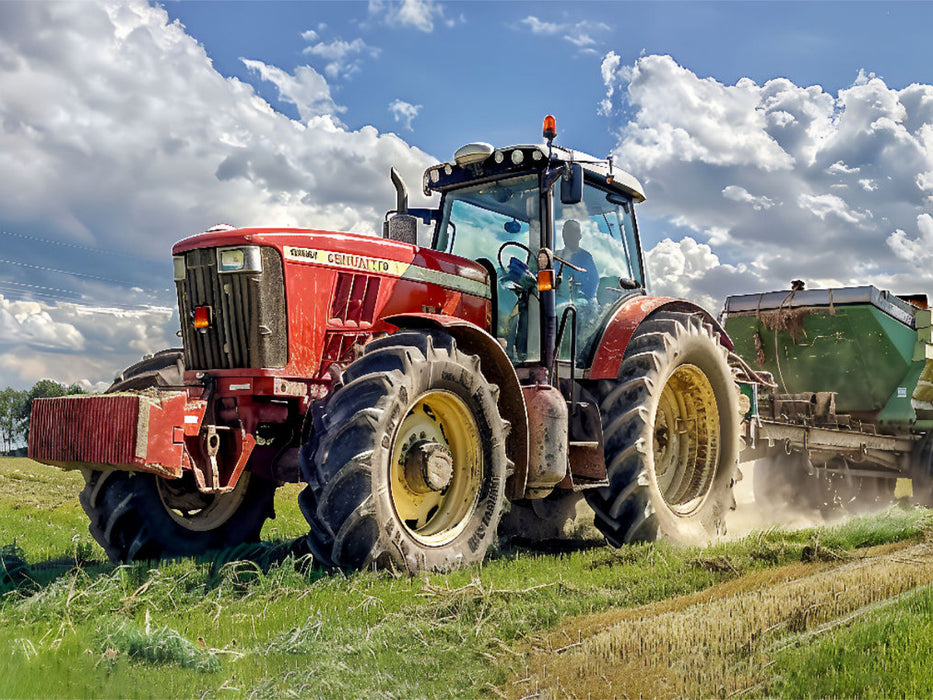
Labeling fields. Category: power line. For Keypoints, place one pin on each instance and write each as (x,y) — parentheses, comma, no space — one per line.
(64,244)
(85,275)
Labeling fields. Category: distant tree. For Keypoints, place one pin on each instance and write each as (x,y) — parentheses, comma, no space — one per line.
(11,421)
(43,389)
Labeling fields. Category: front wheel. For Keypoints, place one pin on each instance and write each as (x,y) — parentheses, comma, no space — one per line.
(670,427)
(407,466)
(136,516)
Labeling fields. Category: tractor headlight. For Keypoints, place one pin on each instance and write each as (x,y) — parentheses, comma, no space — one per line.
(239,259)
(178,262)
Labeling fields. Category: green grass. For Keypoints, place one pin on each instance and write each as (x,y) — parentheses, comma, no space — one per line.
(886,653)
(74,625)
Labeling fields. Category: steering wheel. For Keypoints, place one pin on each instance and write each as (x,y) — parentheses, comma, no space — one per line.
(517,245)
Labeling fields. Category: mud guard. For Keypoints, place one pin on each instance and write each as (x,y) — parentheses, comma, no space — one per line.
(498,370)
(618,332)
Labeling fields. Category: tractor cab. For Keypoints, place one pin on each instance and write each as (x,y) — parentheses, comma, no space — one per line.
(556,230)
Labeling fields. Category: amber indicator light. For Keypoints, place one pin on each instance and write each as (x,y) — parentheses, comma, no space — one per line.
(203,316)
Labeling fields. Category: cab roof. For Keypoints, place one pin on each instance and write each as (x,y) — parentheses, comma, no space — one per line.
(481,160)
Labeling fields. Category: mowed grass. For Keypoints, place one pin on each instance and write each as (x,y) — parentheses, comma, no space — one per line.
(885,653)
(74,625)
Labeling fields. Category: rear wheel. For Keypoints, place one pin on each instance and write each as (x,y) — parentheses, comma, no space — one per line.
(670,427)
(407,467)
(137,516)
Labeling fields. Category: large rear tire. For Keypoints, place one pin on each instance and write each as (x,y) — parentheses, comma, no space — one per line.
(137,516)
(670,429)
(406,468)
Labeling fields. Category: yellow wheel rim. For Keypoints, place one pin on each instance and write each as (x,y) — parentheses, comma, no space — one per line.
(686,440)
(436,468)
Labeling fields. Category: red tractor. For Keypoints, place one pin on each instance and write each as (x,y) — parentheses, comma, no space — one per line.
(418,391)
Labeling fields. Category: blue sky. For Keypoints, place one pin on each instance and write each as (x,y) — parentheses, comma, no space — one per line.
(483,71)
(775,140)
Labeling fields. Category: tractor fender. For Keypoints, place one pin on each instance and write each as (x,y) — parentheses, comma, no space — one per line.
(498,369)
(632,313)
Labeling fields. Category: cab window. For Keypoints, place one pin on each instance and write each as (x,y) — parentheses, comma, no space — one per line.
(597,241)
(476,222)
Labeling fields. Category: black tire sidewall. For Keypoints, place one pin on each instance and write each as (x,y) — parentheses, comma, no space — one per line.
(480,530)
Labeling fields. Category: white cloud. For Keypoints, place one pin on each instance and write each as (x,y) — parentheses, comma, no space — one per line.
(835,188)
(740,194)
(305,88)
(418,14)
(75,342)
(583,34)
(609,68)
(917,250)
(343,58)
(404,112)
(118,138)
(824,205)
(690,270)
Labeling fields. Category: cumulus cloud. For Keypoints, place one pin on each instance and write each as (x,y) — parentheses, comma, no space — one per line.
(118,137)
(609,68)
(404,112)
(305,88)
(740,194)
(690,270)
(343,58)
(781,181)
(917,250)
(74,342)
(585,34)
(417,14)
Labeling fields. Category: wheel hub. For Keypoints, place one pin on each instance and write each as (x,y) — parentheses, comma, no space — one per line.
(429,467)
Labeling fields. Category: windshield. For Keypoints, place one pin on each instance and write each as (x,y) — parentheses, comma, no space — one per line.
(477,220)
(607,232)
(495,222)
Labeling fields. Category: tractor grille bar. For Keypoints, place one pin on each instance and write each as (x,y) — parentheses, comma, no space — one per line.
(248,325)
(354,299)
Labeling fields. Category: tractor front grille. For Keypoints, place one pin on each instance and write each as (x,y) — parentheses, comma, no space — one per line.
(248,326)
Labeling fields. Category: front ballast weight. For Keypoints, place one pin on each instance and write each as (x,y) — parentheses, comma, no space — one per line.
(141,502)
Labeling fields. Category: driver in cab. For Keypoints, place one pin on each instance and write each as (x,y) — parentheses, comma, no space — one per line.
(584,282)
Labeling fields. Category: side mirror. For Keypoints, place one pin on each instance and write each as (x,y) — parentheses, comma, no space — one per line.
(571,184)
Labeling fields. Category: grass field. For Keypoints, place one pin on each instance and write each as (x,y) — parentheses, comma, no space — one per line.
(816,612)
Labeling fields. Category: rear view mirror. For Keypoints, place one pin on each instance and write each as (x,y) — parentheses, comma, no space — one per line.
(571,184)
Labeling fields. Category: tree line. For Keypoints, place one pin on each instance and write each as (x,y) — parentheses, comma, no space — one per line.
(15,407)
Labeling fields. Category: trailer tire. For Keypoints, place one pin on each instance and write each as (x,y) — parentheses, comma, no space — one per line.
(921,472)
(406,467)
(665,480)
(137,516)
